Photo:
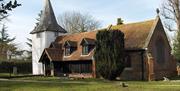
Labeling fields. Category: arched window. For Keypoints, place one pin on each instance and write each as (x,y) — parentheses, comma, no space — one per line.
(160,50)
(128,61)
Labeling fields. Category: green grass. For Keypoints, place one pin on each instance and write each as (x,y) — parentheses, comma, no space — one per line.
(57,84)
(8,76)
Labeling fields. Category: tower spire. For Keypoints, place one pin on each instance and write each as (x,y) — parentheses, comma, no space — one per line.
(48,20)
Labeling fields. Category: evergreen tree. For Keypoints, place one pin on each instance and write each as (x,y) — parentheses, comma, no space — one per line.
(29,43)
(176,47)
(5,42)
(109,53)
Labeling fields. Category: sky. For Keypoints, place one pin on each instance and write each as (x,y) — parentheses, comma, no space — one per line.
(22,20)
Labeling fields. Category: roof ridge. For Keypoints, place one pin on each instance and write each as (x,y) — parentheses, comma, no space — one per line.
(78,33)
(139,22)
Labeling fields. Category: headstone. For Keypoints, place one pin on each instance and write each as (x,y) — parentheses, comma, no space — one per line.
(123,84)
(166,79)
(14,70)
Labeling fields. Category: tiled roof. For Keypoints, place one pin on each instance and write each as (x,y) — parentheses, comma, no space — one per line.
(78,37)
(135,38)
(71,43)
(55,45)
(53,54)
(88,41)
(135,33)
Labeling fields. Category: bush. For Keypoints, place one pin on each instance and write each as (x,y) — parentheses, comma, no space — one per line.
(22,67)
(109,53)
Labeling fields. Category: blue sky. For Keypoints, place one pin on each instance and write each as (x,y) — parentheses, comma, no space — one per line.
(23,19)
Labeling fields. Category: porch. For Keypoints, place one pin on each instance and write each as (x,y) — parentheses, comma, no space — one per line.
(55,65)
(75,69)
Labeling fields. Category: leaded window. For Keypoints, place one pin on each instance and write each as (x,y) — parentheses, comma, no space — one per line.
(160,50)
(67,51)
(70,47)
(128,61)
(38,35)
(56,34)
(85,50)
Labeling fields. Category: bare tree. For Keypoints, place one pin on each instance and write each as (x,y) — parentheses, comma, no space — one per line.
(75,22)
(171,12)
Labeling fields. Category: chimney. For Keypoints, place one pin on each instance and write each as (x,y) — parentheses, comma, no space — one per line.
(119,21)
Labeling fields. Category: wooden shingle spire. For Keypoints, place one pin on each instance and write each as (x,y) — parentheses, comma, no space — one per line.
(48,21)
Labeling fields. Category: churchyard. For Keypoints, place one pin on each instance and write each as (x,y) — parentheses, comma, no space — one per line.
(40,83)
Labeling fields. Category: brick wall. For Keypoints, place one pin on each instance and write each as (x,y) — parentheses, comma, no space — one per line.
(167,67)
(134,72)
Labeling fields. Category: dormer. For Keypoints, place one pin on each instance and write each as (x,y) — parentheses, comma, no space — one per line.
(69,47)
(87,45)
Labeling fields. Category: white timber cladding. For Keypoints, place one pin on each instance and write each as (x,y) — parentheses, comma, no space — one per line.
(43,35)
(38,46)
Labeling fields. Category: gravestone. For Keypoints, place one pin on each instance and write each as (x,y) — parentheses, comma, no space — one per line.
(14,70)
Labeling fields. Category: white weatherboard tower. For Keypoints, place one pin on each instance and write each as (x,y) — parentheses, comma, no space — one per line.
(42,36)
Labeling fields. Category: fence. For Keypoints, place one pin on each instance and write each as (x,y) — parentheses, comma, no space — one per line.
(21,67)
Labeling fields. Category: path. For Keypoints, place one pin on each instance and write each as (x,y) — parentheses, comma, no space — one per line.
(77,82)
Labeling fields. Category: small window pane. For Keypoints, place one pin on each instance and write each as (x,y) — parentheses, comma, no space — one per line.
(38,35)
(128,61)
(56,34)
(160,51)
(67,51)
(85,50)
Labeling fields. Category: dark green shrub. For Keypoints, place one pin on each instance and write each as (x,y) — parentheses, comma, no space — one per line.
(109,53)
(22,67)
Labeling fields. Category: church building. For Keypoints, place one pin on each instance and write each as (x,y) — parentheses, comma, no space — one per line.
(57,53)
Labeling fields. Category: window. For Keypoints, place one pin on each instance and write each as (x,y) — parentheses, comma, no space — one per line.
(160,50)
(128,61)
(87,45)
(85,50)
(38,35)
(70,47)
(67,51)
(85,67)
(56,34)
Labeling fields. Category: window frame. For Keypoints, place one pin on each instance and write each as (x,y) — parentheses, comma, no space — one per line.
(67,51)
(56,34)
(128,62)
(160,50)
(38,35)
(85,49)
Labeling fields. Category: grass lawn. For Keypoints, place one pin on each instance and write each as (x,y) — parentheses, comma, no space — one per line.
(56,84)
(8,75)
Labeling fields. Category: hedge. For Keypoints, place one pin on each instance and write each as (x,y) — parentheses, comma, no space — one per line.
(22,67)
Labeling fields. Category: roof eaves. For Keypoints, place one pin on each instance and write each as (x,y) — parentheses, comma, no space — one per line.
(48,55)
(42,55)
(151,32)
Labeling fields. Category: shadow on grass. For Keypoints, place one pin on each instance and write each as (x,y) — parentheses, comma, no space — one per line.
(34,85)
(8,76)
